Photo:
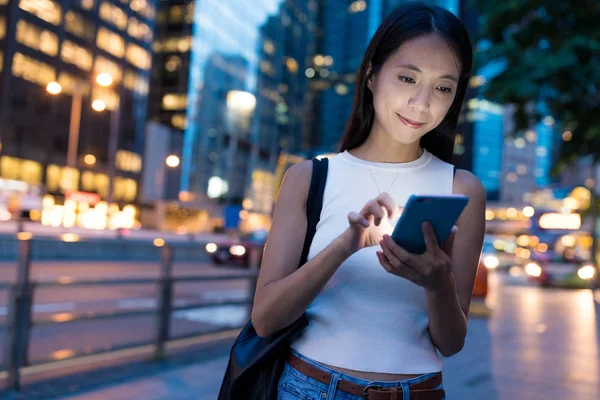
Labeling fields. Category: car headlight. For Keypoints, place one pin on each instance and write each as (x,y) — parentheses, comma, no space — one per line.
(533,269)
(491,262)
(237,250)
(211,247)
(586,272)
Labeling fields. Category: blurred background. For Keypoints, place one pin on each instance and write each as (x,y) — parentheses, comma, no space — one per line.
(143,143)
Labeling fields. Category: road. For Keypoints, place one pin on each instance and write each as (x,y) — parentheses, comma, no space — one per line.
(59,341)
(536,344)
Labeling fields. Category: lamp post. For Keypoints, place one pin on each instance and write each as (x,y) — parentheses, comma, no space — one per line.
(54,88)
(104,80)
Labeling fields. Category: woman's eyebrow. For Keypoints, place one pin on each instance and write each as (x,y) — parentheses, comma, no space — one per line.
(417,69)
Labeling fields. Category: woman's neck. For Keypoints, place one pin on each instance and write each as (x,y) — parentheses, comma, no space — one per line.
(377,150)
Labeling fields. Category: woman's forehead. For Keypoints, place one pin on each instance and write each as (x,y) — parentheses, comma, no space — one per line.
(429,53)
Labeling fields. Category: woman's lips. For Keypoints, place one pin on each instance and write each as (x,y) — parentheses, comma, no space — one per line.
(410,123)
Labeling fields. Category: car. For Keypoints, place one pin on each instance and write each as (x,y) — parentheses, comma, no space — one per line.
(494,259)
(245,251)
(551,269)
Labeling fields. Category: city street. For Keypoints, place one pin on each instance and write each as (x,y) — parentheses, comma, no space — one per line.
(537,344)
(59,341)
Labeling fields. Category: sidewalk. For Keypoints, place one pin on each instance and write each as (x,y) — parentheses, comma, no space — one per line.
(537,344)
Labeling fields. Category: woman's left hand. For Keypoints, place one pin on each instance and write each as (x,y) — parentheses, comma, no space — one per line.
(432,270)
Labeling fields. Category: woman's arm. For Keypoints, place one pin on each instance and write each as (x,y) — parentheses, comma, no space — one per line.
(448,306)
(284,291)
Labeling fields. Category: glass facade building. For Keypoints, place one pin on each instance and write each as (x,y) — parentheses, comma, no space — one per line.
(238,93)
(70,43)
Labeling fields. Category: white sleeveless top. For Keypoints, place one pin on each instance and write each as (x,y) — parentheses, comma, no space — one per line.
(366,319)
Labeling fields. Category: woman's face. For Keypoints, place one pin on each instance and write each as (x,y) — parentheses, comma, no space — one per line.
(415,88)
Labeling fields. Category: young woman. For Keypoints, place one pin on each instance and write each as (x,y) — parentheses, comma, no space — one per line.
(378,314)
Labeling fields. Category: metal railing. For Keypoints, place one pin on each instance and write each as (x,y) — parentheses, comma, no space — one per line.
(20,322)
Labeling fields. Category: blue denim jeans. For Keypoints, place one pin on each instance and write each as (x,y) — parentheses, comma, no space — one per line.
(294,385)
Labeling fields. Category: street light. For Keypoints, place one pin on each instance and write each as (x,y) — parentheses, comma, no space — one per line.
(54,88)
(172,161)
(104,79)
(89,159)
(99,105)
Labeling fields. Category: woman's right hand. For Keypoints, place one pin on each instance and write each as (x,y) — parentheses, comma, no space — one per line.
(369,225)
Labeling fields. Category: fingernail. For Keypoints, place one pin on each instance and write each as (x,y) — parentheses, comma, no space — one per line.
(364,223)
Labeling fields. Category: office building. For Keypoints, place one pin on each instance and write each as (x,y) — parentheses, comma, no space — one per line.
(76,139)
(230,78)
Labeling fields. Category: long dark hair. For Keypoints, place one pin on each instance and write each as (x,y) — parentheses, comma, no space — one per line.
(406,22)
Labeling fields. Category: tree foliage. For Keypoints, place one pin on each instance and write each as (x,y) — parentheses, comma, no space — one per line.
(552,54)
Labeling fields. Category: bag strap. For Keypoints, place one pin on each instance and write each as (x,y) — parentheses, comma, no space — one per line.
(314,203)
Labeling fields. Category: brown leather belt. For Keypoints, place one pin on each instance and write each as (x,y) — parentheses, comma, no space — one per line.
(418,391)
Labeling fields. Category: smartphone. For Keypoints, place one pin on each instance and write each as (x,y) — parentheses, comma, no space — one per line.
(441,211)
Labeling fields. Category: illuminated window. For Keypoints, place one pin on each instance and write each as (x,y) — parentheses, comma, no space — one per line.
(107,95)
(94,182)
(3,2)
(69,179)
(189,13)
(173,63)
(48,10)
(110,42)
(179,44)
(61,179)
(2,27)
(292,65)
(87,181)
(31,172)
(101,181)
(68,83)
(174,101)
(138,56)
(79,26)
(76,55)
(1,60)
(179,121)
(125,189)
(176,14)
(128,161)
(37,38)
(139,30)
(21,170)
(130,190)
(144,8)
(136,83)
(102,64)
(10,167)
(87,4)
(114,15)
(52,178)
(32,70)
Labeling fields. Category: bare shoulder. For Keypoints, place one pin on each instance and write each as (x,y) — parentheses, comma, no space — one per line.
(300,171)
(296,181)
(465,182)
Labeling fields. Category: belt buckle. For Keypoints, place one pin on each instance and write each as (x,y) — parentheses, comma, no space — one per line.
(365,393)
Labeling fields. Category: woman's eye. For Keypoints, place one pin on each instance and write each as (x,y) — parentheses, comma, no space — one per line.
(445,90)
(406,79)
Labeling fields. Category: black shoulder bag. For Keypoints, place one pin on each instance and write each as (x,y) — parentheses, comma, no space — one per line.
(256,364)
